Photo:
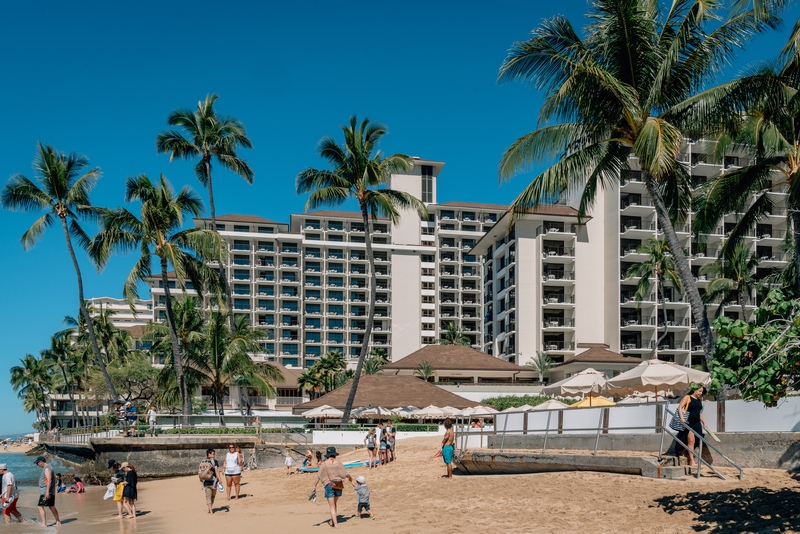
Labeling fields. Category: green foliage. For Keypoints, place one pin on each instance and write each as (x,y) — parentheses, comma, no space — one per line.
(220,430)
(425,370)
(761,358)
(404,427)
(199,405)
(134,379)
(453,335)
(515,401)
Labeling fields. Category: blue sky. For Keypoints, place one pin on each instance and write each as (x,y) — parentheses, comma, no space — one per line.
(100,78)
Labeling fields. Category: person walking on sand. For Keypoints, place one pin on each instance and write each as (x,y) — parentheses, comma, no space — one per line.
(210,484)
(129,494)
(371,442)
(288,462)
(47,491)
(234,463)
(448,446)
(119,476)
(10,494)
(363,497)
(332,474)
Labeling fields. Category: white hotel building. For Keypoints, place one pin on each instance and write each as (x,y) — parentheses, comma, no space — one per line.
(548,283)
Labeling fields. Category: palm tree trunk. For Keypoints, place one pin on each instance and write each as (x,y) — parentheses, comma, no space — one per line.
(373,289)
(213,211)
(85,313)
(741,305)
(177,356)
(682,265)
(796,230)
(653,353)
(218,398)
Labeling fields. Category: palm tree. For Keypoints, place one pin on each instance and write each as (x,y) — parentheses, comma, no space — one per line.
(373,365)
(61,354)
(541,364)
(425,370)
(361,172)
(731,275)
(453,335)
(328,367)
(622,90)
(225,359)
(208,136)
(31,382)
(660,266)
(116,342)
(311,382)
(158,236)
(64,193)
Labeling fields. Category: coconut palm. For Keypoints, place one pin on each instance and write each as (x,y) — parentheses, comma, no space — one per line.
(225,359)
(32,381)
(328,367)
(621,91)
(158,237)
(660,266)
(425,370)
(540,364)
(732,275)
(62,355)
(63,191)
(310,382)
(361,172)
(374,363)
(453,335)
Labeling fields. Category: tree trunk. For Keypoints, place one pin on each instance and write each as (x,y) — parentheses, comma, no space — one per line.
(741,305)
(370,313)
(213,211)
(654,352)
(177,356)
(796,241)
(682,265)
(85,313)
(218,399)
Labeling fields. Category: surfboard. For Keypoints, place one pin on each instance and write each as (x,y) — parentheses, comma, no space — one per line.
(347,465)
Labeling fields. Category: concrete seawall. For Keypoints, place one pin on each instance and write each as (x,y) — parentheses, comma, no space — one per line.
(173,456)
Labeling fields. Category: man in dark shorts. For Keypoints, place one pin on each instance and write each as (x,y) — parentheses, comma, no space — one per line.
(47,491)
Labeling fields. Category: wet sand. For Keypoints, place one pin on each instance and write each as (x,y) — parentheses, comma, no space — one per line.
(411,497)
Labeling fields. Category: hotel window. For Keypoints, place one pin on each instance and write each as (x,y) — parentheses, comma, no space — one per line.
(428,285)
(427,183)
(427,299)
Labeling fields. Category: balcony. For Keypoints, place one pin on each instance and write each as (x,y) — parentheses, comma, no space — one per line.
(638,345)
(550,252)
(558,299)
(552,276)
(558,346)
(558,322)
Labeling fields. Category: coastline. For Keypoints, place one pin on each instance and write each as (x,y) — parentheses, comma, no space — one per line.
(19,449)
(411,496)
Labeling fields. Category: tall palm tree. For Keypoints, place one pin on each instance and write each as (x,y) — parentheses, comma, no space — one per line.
(64,193)
(61,354)
(425,370)
(540,364)
(453,335)
(158,237)
(361,172)
(225,359)
(32,381)
(619,91)
(328,367)
(733,274)
(659,265)
(207,136)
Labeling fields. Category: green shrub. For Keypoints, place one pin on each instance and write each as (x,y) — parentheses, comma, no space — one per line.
(515,401)
(416,428)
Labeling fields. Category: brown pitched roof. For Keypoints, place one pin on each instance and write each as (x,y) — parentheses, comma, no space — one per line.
(233,217)
(454,357)
(338,214)
(600,353)
(389,392)
(475,205)
(289,376)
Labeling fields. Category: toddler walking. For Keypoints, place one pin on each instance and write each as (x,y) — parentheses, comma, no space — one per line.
(363,497)
(288,462)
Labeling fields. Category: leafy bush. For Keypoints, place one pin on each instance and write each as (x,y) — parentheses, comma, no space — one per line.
(220,430)
(515,401)
(416,428)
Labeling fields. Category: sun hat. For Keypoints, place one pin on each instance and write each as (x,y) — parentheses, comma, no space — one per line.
(124,465)
(331,451)
(361,480)
(40,459)
(3,467)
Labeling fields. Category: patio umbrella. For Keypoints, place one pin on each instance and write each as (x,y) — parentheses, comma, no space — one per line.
(374,412)
(429,412)
(650,375)
(551,404)
(598,401)
(449,411)
(404,411)
(480,410)
(640,397)
(324,411)
(523,408)
(587,382)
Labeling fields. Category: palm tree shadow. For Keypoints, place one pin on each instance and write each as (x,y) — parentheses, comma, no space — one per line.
(739,510)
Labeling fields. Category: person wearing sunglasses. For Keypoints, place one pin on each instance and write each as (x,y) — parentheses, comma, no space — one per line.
(234,463)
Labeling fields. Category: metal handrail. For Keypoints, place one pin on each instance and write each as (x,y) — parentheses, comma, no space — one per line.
(288,433)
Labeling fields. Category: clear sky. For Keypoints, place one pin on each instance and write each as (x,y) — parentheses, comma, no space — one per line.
(101,77)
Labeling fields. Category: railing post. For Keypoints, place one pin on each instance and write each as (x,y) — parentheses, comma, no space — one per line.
(505,426)
(661,409)
(599,427)
(546,431)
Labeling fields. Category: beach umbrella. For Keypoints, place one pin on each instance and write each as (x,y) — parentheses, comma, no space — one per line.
(324,412)
(551,404)
(592,402)
(374,412)
(429,412)
(650,375)
(587,382)
(523,408)
(640,397)
(449,411)
(480,410)
(404,411)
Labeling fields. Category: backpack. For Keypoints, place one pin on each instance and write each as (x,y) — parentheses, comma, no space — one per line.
(205,470)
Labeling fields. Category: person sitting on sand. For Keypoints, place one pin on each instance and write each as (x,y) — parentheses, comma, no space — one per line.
(332,474)
(363,497)
(77,487)
(319,457)
(60,486)
(448,446)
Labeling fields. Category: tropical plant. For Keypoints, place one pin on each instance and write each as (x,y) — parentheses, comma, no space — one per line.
(761,358)
(622,91)
(453,335)
(225,359)
(116,342)
(660,266)
(425,370)
(374,363)
(732,275)
(62,356)
(328,367)
(540,364)
(310,382)
(361,172)
(64,193)
(158,236)
(32,381)
(343,378)
(134,377)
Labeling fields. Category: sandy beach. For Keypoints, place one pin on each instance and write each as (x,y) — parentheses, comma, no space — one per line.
(411,496)
(17,448)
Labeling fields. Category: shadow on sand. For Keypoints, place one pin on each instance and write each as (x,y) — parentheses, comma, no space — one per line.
(739,510)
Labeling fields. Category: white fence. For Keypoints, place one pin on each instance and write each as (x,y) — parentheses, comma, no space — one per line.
(356,437)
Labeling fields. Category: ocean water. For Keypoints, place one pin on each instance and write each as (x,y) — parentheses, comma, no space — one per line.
(25,470)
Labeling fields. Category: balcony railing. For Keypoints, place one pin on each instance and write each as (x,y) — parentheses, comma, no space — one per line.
(555,322)
(557,251)
(558,275)
(558,345)
(558,299)
(638,345)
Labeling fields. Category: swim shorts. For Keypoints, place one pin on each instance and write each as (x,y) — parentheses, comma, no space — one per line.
(363,506)
(447,454)
(47,502)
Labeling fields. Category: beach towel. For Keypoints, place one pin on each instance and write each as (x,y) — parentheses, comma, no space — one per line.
(110,490)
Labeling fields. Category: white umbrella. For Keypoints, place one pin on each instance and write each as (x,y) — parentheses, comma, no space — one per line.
(640,397)
(324,411)
(523,408)
(480,410)
(587,382)
(404,411)
(653,374)
(449,411)
(551,404)
(374,412)
(429,412)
